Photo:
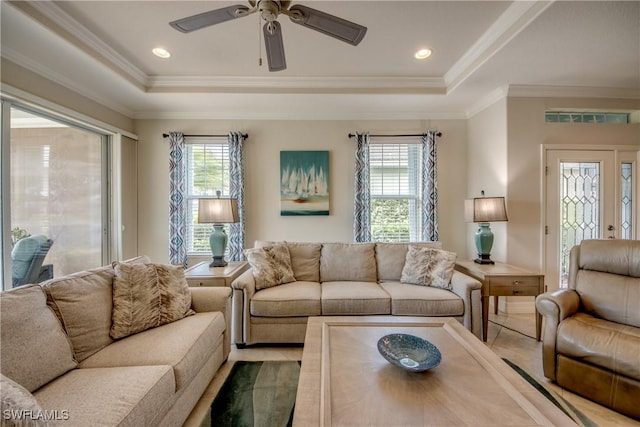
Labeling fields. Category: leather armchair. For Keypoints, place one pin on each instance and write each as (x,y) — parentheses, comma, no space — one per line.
(591,340)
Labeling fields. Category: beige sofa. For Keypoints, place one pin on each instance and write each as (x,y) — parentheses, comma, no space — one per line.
(344,279)
(591,342)
(56,344)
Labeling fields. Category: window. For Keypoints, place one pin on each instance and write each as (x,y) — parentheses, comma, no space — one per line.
(207,167)
(585,117)
(395,171)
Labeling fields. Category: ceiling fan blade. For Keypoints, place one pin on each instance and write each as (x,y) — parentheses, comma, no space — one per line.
(274,46)
(347,31)
(206,19)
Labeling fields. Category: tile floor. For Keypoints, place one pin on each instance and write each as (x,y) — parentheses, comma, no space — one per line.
(510,336)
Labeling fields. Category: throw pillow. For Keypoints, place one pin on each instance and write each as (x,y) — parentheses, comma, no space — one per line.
(428,267)
(18,407)
(271,265)
(146,296)
(34,348)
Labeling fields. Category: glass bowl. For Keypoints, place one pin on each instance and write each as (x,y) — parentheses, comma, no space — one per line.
(409,352)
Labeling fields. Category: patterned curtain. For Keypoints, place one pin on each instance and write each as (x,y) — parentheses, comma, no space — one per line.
(429,187)
(236,183)
(362,202)
(177,201)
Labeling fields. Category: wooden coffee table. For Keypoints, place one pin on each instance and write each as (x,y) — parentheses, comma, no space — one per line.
(344,381)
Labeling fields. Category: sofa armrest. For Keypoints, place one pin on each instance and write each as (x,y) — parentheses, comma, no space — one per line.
(554,306)
(469,289)
(244,287)
(208,299)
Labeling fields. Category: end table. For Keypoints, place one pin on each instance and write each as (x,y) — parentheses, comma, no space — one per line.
(203,275)
(502,279)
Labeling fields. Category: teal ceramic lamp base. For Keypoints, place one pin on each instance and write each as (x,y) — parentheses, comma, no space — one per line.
(484,242)
(218,243)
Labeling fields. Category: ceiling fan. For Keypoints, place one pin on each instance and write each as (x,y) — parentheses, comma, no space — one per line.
(347,31)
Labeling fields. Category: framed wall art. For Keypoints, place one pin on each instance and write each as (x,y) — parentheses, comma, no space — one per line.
(304,183)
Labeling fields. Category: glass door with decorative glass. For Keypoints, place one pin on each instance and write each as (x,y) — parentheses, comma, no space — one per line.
(590,194)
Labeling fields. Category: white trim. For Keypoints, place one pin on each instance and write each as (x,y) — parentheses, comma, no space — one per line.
(392,85)
(487,101)
(515,19)
(5,197)
(82,35)
(14,94)
(542,91)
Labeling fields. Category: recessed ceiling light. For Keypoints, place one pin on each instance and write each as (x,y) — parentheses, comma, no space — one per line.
(161,52)
(423,53)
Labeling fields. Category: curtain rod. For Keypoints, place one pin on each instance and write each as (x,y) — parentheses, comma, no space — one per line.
(438,134)
(244,135)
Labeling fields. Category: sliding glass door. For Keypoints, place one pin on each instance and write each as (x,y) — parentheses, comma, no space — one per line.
(57,194)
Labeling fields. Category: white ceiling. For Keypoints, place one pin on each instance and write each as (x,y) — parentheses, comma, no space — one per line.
(481,50)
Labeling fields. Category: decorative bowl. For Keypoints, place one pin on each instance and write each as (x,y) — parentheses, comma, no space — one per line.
(409,352)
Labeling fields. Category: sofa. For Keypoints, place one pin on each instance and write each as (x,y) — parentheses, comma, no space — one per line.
(591,340)
(344,279)
(60,364)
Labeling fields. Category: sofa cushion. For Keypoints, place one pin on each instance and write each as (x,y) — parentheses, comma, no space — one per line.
(83,303)
(271,265)
(345,298)
(185,344)
(146,296)
(33,346)
(390,258)
(122,396)
(348,262)
(610,345)
(17,404)
(413,300)
(288,300)
(428,267)
(305,260)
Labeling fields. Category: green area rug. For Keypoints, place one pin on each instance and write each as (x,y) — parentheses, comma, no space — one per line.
(264,393)
(256,394)
(574,413)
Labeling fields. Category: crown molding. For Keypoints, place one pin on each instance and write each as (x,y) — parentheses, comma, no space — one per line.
(374,85)
(542,91)
(74,32)
(508,25)
(488,100)
(307,114)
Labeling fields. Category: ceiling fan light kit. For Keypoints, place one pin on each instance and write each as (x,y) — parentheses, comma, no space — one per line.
(269,10)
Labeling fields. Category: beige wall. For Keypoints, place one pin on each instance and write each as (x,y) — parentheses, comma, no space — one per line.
(487,170)
(262,162)
(527,132)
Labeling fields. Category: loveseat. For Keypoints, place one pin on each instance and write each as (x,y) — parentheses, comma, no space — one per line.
(591,342)
(344,279)
(57,346)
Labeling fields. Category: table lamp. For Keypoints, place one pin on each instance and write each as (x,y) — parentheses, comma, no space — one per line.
(217,211)
(484,210)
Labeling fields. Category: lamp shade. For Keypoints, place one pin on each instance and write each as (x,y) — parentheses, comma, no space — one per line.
(485,209)
(217,211)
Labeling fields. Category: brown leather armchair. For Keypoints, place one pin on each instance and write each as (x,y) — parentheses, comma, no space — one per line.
(591,342)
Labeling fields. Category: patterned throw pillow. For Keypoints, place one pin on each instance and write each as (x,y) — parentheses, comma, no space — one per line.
(271,265)
(146,296)
(428,267)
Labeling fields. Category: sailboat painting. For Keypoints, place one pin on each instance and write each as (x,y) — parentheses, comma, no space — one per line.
(304,183)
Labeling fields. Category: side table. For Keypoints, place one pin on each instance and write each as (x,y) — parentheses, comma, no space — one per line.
(203,275)
(502,279)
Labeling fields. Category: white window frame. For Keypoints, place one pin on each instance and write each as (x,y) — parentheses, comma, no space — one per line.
(409,189)
(192,195)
